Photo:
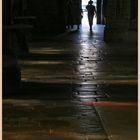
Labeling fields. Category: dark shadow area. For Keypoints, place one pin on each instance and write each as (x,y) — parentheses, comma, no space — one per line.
(47,57)
(58,91)
(36,90)
(122,92)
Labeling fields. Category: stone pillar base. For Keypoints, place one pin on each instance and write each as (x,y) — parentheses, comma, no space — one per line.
(115,35)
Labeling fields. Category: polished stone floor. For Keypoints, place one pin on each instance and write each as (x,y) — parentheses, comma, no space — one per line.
(75,86)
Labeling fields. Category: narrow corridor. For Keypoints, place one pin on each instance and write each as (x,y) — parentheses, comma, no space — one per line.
(67,82)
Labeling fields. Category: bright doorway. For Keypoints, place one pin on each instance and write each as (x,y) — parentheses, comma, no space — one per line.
(85,19)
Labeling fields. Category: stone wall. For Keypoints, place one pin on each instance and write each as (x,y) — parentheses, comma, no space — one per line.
(6,12)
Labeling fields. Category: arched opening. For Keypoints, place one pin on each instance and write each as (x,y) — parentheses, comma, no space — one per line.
(71,14)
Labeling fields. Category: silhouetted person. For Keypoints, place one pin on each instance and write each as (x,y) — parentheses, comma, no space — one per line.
(91,11)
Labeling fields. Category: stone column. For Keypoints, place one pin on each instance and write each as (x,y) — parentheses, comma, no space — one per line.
(134,15)
(99,20)
(117,20)
(103,10)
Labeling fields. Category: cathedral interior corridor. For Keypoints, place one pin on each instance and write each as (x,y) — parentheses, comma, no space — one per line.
(64,83)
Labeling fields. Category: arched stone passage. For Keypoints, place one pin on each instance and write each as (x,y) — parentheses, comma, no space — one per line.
(51,17)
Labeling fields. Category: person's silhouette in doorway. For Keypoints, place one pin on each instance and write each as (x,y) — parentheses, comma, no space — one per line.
(91,12)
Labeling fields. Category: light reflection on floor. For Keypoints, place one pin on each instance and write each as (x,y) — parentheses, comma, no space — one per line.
(41,62)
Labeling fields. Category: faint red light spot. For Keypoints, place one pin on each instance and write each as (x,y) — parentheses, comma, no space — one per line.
(110,104)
